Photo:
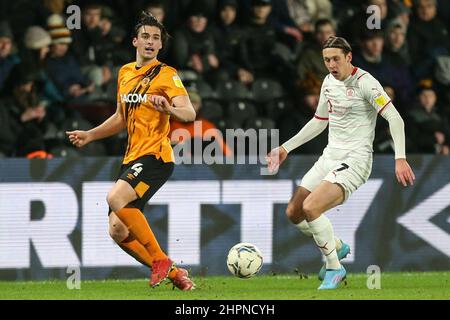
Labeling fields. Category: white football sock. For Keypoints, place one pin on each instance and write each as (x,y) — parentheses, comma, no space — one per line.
(306,230)
(338,243)
(323,234)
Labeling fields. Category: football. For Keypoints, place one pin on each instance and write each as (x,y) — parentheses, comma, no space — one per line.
(244,260)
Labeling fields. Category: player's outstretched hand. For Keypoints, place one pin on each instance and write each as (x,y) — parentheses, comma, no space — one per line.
(78,138)
(404,172)
(161,104)
(275,158)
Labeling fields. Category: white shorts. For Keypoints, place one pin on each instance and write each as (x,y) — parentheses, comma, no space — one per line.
(349,173)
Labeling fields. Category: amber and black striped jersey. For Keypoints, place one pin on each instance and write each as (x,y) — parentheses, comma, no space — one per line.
(147,128)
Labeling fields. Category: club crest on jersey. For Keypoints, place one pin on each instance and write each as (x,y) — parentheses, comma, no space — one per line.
(350,92)
(145,81)
(133,97)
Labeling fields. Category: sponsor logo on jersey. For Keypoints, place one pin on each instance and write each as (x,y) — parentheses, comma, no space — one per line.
(177,81)
(133,97)
(380,100)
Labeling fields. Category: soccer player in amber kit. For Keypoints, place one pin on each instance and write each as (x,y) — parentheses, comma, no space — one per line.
(350,100)
(149,92)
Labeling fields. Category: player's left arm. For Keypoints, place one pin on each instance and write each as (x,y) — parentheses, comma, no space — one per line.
(181,107)
(374,93)
(403,171)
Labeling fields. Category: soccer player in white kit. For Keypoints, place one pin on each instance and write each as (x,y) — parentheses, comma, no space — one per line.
(350,100)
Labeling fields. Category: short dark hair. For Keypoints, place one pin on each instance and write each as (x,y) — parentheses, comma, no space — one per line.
(339,43)
(371,34)
(92,5)
(147,19)
(155,4)
(323,22)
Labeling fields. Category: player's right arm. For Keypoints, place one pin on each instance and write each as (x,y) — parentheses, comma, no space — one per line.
(312,129)
(111,126)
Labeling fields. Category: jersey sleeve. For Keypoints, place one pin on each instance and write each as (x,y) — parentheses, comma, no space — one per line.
(373,92)
(119,79)
(172,84)
(322,107)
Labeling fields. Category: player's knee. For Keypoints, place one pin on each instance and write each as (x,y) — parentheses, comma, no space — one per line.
(294,212)
(118,232)
(114,201)
(310,210)
(110,199)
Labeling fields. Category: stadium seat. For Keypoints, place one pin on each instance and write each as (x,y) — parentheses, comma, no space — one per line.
(93,149)
(260,123)
(211,110)
(64,152)
(95,112)
(241,110)
(202,88)
(266,89)
(228,123)
(76,123)
(276,108)
(232,90)
(188,75)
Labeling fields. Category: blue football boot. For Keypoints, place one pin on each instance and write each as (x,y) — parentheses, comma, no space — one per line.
(341,253)
(333,278)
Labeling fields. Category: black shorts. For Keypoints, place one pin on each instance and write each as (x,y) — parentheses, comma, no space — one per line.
(146,175)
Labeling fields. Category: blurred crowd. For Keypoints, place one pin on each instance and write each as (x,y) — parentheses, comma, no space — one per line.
(246,64)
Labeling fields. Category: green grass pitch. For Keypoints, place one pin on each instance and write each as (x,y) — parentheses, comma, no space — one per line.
(427,285)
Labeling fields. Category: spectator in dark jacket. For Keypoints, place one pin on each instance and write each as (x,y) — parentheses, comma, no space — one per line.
(62,67)
(22,116)
(260,54)
(311,60)
(387,71)
(33,56)
(362,20)
(396,45)
(194,47)
(228,36)
(430,130)
(427,37)
(96,48)
(295,19)
(7,58)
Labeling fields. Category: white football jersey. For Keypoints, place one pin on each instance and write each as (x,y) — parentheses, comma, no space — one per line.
(351,107)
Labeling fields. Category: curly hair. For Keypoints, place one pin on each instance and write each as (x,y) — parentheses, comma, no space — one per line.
(147,19)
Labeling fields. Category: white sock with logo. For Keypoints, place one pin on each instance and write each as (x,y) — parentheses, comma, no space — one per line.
(306,230)
(323,234)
